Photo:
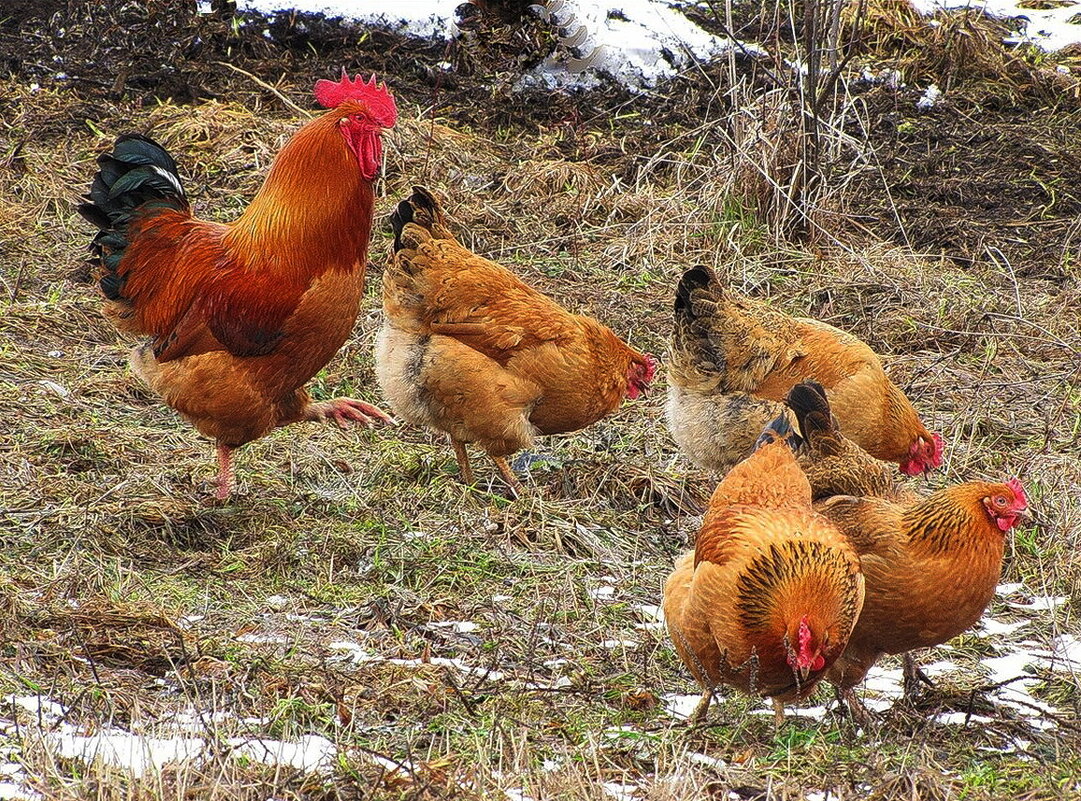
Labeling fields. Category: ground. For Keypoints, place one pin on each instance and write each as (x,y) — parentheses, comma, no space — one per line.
(421,638)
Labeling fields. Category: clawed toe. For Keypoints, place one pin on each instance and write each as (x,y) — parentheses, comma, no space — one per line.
(344,411)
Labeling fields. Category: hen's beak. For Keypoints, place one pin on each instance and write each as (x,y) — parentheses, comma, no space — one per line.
(804,672)
(1025,515)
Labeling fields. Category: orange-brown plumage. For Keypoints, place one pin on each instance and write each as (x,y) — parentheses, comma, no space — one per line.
(834,464)
(931,566)
(767,599)
(734,359)
(469,348)
(241,315)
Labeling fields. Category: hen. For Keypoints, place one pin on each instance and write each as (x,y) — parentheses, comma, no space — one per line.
(240,316)
(931,567)
(834,464)
(767,599)
(734,359)
(468,348)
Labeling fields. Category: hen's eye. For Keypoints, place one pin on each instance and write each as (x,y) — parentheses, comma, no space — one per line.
(1000,501)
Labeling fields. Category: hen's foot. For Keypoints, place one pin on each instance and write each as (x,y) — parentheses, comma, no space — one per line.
(860,714)
(516,488)
(913,678)
(778,713)
(347,410)
(700,710)
(464,469)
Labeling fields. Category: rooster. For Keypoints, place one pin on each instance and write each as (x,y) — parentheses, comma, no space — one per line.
(734,359)
(931,566)
(240,316)
(468,348)
(767,599)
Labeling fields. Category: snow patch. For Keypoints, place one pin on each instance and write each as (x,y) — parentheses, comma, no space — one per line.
(421,18)
(680,706)
(1048,29)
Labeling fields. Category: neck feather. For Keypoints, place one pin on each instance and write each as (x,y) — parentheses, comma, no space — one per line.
(315,204)
(954,519)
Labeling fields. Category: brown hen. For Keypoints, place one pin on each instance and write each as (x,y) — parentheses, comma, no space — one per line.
(931,567)
(767,599)
(468,348)
(734,359)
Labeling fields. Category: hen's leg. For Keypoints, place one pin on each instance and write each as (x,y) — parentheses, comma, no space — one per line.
(516,488)
(913,677)
(463,461)
(700,710)
(855,708)
(778,712)
(347,410)
(225,472)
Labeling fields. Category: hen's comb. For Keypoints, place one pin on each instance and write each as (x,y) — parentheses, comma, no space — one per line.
(376,97)
(1018,491)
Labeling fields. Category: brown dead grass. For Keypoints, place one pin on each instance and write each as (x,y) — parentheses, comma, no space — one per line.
(370,538)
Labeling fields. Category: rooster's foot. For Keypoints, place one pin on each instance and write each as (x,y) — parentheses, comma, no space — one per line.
(347,410)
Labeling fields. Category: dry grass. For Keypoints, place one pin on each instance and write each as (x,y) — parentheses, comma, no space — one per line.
(127,597)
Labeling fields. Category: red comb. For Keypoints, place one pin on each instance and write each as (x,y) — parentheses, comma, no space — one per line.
(376,97)
(1018,490)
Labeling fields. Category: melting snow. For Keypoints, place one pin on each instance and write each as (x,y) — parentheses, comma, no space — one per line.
(931,95)
(360,656)
(310,753)
(1040,603)
(989,627)
(1047,28)
(621,791)
(423,18)
(457,626)
(142,753)
(635,42)
(601,593)
(680,706)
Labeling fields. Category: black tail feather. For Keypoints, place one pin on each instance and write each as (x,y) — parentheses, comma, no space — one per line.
(136,173)
(698,277)
(812,409)
(422,200)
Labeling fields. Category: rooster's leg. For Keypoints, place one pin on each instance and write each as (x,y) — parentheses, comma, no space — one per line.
(225,472)
(913,677)
(347,410)
(463,461)
(778,712)
(516,488)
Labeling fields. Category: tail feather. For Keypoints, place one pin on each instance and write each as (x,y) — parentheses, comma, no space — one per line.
(420,208)
(692,339)
(693,280)
(808,401)
(138,174)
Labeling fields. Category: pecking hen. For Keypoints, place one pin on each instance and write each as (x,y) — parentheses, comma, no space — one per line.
(767,599)
(468,348)
(734,359)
